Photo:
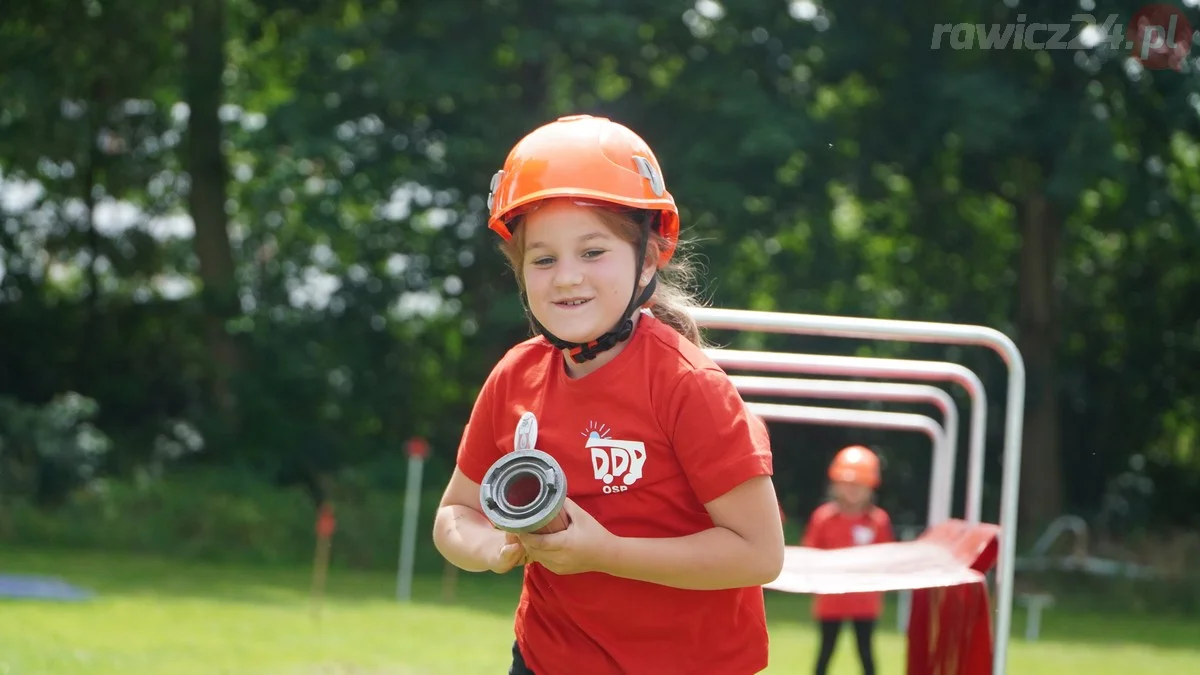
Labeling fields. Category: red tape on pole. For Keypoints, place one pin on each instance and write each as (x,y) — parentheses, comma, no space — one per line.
(326,523)
(417,447)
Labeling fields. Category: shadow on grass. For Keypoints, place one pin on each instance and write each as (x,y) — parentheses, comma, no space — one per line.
(113,576)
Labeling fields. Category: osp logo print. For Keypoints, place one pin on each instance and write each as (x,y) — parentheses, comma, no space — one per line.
(613,459)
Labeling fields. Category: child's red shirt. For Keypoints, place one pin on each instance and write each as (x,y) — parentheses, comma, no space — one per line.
(645,441)
(829,527)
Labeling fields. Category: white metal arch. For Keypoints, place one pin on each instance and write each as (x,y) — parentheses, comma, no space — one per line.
(942,481)
(870,419)
(930,332)
(862,366)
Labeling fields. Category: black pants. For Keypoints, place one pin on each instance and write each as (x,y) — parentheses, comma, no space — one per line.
(518,666)
(863,631)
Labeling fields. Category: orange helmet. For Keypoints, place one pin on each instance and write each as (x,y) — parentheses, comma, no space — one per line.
(855,464)
(588,159)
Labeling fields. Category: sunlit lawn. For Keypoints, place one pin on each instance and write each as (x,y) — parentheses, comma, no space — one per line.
(167,617)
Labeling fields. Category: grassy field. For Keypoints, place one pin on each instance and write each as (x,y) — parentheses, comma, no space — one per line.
(167,617)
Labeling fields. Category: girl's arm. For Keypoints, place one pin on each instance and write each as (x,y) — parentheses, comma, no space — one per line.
(461,533)
(743,548)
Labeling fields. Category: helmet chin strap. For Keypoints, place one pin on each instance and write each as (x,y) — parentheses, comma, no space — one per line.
(582,352)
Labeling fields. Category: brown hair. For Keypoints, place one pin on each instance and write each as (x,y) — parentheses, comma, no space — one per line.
(671,299)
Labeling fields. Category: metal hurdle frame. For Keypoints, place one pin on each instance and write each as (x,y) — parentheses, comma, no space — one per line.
(862,366)
(870,419)
(928,332)
(867,367)
(941,484)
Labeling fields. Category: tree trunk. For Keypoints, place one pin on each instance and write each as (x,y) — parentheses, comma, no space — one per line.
(208,172)
(1037,312)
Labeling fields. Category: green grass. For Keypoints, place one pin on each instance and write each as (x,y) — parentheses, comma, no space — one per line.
(170,617)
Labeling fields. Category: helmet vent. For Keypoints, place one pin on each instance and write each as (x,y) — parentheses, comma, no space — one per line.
(492,190)
(646,169)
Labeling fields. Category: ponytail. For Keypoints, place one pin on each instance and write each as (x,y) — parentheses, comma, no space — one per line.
(672,300)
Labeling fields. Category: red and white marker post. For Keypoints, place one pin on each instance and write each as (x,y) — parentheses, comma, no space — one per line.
(325,527)
(418,450)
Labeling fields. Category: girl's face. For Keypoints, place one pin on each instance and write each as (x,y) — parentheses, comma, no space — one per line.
(578,273)
(852,494)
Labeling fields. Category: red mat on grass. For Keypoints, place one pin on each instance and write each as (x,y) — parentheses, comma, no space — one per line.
(949,630)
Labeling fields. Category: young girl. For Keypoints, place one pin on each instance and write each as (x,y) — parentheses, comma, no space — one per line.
(674,524)
(850,519)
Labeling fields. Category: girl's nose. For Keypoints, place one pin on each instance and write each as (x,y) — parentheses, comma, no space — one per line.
(567,274)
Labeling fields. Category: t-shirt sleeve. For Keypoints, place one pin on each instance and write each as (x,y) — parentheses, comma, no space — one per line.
(883,524)
(812,531)
(478,449)
(717,442)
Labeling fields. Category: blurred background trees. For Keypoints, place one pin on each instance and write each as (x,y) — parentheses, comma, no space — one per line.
(243,242)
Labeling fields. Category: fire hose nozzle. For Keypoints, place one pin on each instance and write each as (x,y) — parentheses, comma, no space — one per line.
(524,491)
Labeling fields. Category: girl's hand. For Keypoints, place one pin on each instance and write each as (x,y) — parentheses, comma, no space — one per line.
(508,556)
(578,548)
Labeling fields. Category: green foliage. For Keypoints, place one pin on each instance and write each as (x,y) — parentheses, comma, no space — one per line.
(1104,595)
(224,516)
(47,450)
(825,159)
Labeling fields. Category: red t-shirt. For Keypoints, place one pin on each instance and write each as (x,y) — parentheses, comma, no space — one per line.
(645,441)
(830,528)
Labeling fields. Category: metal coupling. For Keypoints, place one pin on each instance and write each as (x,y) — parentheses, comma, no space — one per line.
(523,491)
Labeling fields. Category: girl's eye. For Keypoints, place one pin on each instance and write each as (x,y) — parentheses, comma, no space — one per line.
(594,253)
(543,261)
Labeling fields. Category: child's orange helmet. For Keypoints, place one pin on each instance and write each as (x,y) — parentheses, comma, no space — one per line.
(586,158)
(855,464)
